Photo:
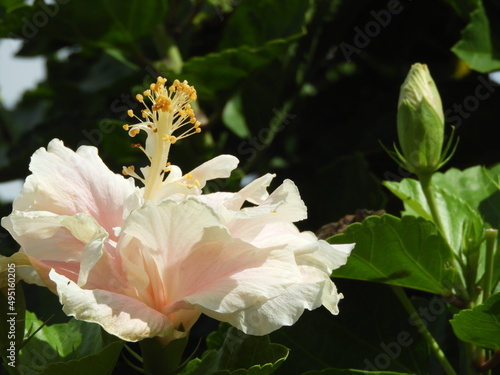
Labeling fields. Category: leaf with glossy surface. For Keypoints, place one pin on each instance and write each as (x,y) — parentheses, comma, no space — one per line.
(481,325)
(464,198)
(408,252)
(239,354)
(66,342)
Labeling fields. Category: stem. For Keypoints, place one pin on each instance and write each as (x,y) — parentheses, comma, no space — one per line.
(491,244)
(425,182)
(433,344)
(162,359)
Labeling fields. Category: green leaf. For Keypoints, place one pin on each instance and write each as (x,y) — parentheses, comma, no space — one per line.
(334,371)
(412,195)
(408,252)
(239,354)
(233,117)
(113,21)
(254,23)
(463,7)
(480,43)
(478,186)
(481,325)
(102,363)
(229,68)
(65,342)
(465,199)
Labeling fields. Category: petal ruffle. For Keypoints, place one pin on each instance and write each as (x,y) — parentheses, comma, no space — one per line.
(283,310)
(122,316)
(66,182)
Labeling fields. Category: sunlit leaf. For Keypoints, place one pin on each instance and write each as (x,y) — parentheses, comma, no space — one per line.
(408,252)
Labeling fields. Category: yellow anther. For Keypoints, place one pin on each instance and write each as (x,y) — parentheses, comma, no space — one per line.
(134,132)
(173,139)
(165,137)
(139,98)
(197,124)
(162,102)
(132,168)
(126,127)
(189,176)
(147,93)
(197,130)
(197,183)
(130,113)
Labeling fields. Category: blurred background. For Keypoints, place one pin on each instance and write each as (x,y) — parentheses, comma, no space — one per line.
(306,89)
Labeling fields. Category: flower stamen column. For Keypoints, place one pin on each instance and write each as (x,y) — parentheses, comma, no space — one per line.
(170,110)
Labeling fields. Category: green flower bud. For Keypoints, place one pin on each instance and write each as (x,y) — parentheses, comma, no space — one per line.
(420,122)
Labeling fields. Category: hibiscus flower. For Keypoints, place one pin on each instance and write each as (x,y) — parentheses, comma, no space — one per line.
(148,261)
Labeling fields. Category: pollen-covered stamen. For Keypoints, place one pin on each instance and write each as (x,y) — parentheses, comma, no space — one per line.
(166,110)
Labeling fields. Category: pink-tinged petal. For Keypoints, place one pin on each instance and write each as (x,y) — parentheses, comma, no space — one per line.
(168,230)
(24,269)
(46,236)
(70,244)
(155,240)
(122,316)
(66,182)
(28,269)
(224,275)
(282,310)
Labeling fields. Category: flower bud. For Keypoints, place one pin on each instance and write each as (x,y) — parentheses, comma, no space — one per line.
(420,122)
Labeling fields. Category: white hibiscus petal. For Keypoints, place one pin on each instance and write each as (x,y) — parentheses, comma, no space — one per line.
(122,316)
(66,182)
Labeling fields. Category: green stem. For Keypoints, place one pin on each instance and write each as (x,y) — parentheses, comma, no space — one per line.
(433,344)
(491,244)
(162,359)
(425,182)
